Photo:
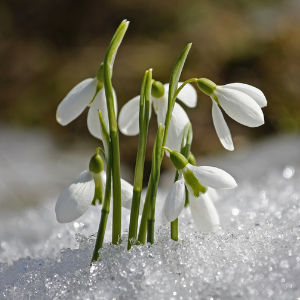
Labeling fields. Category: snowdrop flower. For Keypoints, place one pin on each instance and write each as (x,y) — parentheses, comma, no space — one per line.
(129,114)
(84,191)
(242,102)
(204,213)
(90,92)
(196,180)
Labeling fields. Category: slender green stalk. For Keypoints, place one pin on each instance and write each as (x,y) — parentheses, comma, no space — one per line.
(140,159)
(176,72)
(155,173)
(147,216)
(114,135)
(182,86)
(143,224)
(107,196)
(185,150)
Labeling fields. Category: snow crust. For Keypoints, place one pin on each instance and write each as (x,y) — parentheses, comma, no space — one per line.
(255,254)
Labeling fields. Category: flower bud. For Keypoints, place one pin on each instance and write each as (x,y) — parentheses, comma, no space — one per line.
(178,160)
(206,86)
(158,89)
(192,159)
(96,163)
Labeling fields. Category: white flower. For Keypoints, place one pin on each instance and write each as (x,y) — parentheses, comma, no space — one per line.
(197,180)
(129,114)
(204,213)
(78,196)
(242,102)
(78,99)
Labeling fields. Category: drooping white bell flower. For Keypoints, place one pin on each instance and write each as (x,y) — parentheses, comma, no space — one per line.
(90,92)
(196,180)
(86,190)
(242,102)
(129,114)
(204,212)
(78,196)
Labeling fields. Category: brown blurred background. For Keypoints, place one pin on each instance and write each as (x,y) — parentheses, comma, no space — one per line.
(47,47)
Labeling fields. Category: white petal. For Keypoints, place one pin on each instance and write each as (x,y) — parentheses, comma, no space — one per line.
(188,95)
(251,91)
(160,107)
(76,198)
(204,213)
(178,121)
(240,107)
(213,177)
(221,127)
(176,129)
(214,195)
(129,117)
(93,121)
(126,192)
(76,101)
(175,200)
(166,86)
(103,180)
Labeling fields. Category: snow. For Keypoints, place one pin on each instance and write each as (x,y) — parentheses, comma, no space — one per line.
(255,254)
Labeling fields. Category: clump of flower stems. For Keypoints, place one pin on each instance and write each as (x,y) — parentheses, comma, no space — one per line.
(112,154)
(240,101)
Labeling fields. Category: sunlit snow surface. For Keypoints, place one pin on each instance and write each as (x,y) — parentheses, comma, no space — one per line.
(254,255)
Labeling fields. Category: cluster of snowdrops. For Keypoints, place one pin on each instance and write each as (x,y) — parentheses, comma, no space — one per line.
(193,186)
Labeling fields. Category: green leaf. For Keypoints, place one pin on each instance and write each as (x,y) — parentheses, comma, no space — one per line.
(177,72)
(114,45)
(156,155)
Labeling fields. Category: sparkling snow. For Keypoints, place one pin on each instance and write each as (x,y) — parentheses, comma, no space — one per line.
(254,255)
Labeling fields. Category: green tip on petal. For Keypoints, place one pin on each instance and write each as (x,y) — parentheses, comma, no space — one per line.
(158,89)
(206,86)
(98,190)
(96,163)
(193,182)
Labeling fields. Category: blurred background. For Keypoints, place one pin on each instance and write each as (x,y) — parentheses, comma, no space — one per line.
(47,47)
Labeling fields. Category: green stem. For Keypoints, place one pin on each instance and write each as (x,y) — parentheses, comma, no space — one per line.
(185,150)
(140,160)
(143,224)
(155,173)
(117,200)
(176,72)
(114,135)
(149,206)
(182,86)
(107,196)
(150,226)
(100,234)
